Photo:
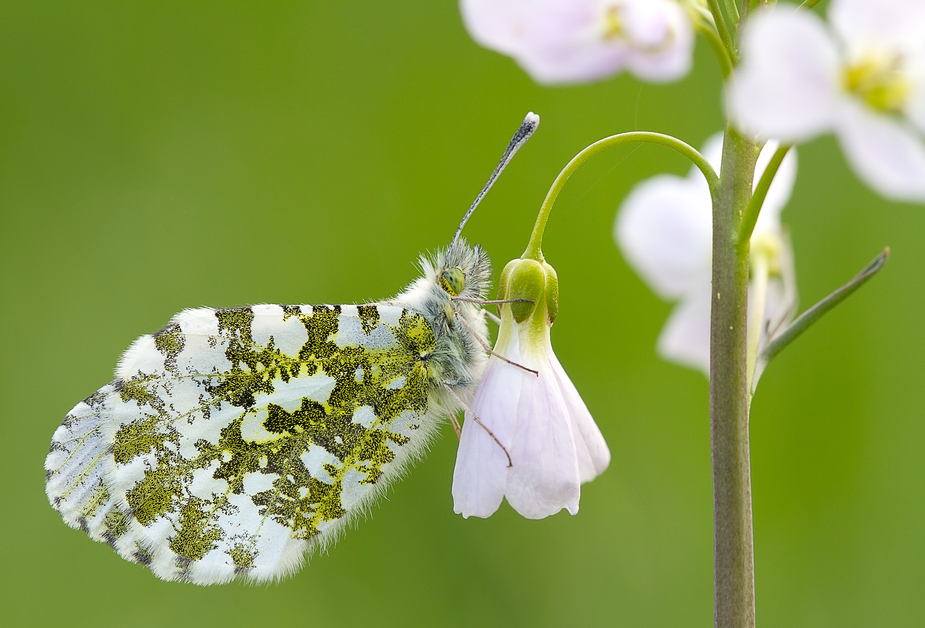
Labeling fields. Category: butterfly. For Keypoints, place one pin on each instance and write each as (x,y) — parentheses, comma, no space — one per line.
(233,442)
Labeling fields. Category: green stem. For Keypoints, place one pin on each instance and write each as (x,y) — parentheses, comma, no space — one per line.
(761,191)
(534,247)
(732,512)
(722,29)
(719,50)
(809,4)
(732,9)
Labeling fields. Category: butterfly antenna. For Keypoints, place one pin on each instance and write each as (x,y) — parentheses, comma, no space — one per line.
(527,127)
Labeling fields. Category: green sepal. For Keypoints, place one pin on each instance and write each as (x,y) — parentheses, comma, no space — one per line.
(552,293)
(527,280)
(505,275)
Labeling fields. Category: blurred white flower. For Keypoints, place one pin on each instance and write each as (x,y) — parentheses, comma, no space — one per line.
(863,78)
(664,228)
(540,421)
(575,41)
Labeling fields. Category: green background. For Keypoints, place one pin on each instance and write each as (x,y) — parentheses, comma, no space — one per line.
(158,156)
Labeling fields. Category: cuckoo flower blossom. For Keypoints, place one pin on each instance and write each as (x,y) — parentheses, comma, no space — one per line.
(664,229)
(575,41)
(537,441)
(862,78)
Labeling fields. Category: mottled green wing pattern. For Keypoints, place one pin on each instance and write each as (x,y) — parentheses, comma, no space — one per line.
(233,441)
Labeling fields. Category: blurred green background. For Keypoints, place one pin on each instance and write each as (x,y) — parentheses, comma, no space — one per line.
(158,156)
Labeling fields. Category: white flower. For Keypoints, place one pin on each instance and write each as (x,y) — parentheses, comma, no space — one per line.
(664,228)
(574,41)
(863,79)
(540,421)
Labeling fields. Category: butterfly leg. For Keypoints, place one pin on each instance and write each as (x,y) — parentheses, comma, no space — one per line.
(453,420)
(456,426)
(491,301)
(479,422)
(488,348)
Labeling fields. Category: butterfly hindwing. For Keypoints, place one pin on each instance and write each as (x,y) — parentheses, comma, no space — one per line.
(234,440)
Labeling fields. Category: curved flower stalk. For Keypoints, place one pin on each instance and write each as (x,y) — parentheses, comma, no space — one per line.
(862,77)
(538,418)
(664,228)
(576,41)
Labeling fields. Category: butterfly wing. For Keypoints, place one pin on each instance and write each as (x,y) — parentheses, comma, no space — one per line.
(233,441)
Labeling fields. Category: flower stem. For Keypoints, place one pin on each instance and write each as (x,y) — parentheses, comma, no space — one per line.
(732,9)
(732,510)
(722,29)
(719,49)
(534,247)
(761,191)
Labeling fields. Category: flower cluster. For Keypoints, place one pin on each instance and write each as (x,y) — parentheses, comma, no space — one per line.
(862,77)
(664,228)
(534,440)
(574,41)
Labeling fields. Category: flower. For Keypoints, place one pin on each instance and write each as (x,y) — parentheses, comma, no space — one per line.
(537,441)
(575,41)
(863,79)
(664,229)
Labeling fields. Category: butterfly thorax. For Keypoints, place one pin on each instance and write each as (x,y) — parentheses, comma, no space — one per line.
(458,358)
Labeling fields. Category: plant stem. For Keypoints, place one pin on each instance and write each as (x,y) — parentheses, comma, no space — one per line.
(733,11)
(534,247)
(719,49)
(722,29)
(761,192)
(732,510)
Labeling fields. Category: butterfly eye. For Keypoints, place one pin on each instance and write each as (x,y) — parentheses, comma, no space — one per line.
(453,280)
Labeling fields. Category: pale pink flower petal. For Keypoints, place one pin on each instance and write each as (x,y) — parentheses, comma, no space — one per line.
(779,192)
(779,306)
(685,338)
(574,41)
(915,109)
(866,24)
(788,82)
(664,39)
(884,152)
(593,454)
(480,475)
(712,151)
(513,26)
(544,476)
(664,229)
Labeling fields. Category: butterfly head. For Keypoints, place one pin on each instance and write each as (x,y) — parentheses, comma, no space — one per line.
(452,280)
(463,270)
